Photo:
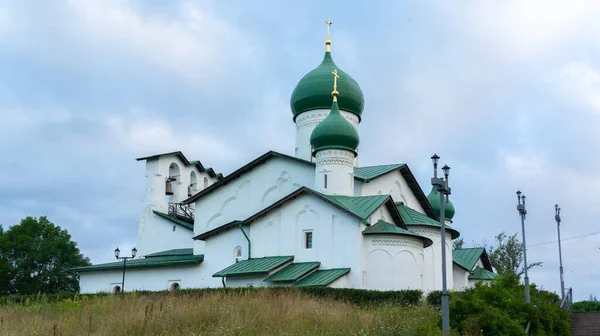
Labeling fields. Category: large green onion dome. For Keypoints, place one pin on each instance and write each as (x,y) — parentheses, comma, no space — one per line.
(314,90)
(334,132)
(434,200)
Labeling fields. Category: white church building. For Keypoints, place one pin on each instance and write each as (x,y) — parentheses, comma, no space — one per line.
(317,218)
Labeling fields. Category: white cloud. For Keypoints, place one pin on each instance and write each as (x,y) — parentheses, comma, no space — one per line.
(197,45)
(146,134)
(579,82)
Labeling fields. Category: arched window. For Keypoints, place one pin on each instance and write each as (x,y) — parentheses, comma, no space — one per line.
(325,181)
(116,289)
(192,188)
(205,181)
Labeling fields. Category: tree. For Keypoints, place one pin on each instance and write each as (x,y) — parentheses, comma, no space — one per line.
(458,243)
(506,256)
(37,255)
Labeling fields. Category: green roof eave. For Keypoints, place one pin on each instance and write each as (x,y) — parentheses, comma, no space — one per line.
(412,217)
(293,272)
(467,257)
(480,273)
(162,261)
(174,220)
(366,174)
(383,227)
(253,266)
(173,252)
(322,277)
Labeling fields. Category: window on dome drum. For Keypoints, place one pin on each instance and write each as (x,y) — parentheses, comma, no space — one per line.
(174,227)
(308,240)
(325,181)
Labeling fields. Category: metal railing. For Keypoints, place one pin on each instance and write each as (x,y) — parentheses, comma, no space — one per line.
(567,301)
(182,211)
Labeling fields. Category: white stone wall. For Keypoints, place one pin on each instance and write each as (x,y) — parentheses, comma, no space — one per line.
(157,171)
(249,193)
(306,123)
(164,235)
(460,277)
(393,184)
(153,279)
(432,273)
(334,172)
(392,262)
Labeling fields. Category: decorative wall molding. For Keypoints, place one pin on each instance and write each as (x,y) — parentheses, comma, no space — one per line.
(335,157)
(313,118)
(396,242)
(227,201)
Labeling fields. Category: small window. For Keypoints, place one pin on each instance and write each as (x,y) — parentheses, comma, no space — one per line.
(174,227)
(308,240)
(205,182)
(174,287)
(325,181)
(117,289)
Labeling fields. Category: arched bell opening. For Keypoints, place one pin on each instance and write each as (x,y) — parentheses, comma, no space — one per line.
(174,174)
(193,187)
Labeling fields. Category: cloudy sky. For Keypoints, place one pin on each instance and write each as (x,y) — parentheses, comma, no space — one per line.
(507,93)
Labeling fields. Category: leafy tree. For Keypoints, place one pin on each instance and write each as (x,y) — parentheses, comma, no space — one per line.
(458,243)
(506,256)
(35,256)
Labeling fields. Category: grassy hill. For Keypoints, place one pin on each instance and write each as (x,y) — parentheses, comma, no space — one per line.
(249,312)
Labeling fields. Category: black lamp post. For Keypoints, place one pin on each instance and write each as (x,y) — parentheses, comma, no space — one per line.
(441,185)
(522,212)
(117,253)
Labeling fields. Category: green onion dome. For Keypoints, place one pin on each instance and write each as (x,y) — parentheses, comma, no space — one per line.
(434,200)
(314,90)
(334,132)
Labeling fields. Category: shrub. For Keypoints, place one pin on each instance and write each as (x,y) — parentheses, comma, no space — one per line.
(586,306)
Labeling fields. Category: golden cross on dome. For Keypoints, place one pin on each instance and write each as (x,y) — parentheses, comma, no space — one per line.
(335,78)
(328,22)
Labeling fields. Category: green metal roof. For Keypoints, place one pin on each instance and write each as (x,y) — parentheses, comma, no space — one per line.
(365,174)
(174,220)
(334,132)
(253,266)
(383,227)
(313,91)
(467,257)
(322,277)
(173,260)
(480,273)
(293,271)
(361,206)
(174,252)
(411,216)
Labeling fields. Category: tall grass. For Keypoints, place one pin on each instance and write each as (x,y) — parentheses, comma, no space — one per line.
(219,313)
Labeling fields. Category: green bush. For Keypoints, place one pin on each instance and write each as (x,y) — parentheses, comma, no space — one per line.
(499,308)
(434,298)
(586,306)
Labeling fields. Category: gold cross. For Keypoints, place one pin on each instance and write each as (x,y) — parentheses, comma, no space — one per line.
(335,77)
(328,22)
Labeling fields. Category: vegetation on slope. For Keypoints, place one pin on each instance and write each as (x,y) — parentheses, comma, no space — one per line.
(237,312)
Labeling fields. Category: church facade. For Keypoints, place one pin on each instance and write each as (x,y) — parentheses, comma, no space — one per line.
(313,219)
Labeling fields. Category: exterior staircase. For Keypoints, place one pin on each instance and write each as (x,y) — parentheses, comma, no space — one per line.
(585,324)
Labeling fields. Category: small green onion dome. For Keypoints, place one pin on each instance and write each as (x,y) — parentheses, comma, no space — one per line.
(334,132)
(314,90)
(434,200)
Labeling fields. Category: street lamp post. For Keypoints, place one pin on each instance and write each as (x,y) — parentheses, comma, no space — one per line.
(117,253)
(441,185)
(522,212)
(562,275)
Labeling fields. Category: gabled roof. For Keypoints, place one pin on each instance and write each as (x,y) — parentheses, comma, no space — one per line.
(365,174)
(411,216)
(174,220)
(322,277)
(293,271)
(253,266)
(173,252)
(467,258)
(158,261)
(183,159)
(480,273)
(383,227)
(246,168)
(361,207)
(362,174)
